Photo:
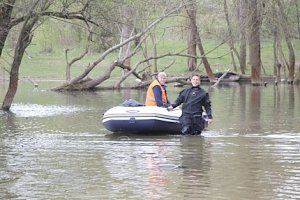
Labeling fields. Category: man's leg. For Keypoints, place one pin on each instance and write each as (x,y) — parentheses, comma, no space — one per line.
(186,125)
(198,124)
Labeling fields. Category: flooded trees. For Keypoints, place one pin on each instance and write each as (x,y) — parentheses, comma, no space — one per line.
(28,20)
(131,35)
(24,40)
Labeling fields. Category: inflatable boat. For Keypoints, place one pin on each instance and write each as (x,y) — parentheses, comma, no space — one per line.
(142,119)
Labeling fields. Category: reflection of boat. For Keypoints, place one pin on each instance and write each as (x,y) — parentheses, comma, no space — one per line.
(144,119)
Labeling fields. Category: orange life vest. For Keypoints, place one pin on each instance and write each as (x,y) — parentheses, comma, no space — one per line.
(150,99)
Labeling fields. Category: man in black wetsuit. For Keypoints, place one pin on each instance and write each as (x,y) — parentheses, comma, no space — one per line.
(193,100)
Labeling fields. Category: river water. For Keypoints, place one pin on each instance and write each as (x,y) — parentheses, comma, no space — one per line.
(53,146)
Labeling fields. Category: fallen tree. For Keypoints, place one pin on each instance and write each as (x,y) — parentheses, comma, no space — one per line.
(82,82)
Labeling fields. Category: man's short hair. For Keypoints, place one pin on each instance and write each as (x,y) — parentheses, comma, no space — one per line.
(195,74)
(161,74)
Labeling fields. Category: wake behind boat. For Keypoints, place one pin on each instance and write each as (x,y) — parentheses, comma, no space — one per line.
(142,119)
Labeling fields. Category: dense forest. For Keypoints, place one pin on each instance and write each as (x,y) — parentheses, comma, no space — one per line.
(127,36)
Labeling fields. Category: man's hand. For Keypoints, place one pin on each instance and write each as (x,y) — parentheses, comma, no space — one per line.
(170,108)
(209,121)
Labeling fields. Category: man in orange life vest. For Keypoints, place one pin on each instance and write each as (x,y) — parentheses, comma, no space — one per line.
(156,93)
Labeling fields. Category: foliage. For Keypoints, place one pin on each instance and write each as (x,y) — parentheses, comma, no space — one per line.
(53,36)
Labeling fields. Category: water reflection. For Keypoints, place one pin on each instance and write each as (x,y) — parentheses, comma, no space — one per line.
(195,157)
(255,108)
(7,120)
(291,97)
(251,110)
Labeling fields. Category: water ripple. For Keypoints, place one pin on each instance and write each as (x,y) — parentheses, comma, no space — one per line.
(36,110)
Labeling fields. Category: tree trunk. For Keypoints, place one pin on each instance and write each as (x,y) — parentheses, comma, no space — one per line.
(191,35)
(153,40)
(287,36)
(23,41)
(243,38)
(254,43)
(275,44)
(275,54)
(208,70)
(298,17)
(6,8)
(231,44)
(70,63)
(127,29)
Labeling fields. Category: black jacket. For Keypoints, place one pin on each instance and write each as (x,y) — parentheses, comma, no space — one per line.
(193,100)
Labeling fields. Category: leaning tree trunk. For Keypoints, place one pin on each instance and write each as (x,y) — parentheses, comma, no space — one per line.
(6,8)
(23,41)
(284,24)
(191,36)
(208,70)
(254,43)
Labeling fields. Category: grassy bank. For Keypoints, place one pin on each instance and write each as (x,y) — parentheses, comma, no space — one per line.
(39,64)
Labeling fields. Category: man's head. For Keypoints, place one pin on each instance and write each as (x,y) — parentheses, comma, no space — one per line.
(195,80)
(162,78)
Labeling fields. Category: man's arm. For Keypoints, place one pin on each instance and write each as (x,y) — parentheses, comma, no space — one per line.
(207,106)
(179,99)
(158,95)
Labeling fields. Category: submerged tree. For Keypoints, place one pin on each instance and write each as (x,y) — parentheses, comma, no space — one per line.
(254,42)
(29,20)
(24,40)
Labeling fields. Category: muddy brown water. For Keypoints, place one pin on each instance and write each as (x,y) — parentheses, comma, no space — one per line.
(53,146)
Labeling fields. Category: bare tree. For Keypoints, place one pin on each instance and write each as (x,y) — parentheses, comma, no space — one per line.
(274,26)
(29,20)
(24,40)
(77,83)
(6,7)
(127,30)
(254,42)
(231,43)
(243,38)
(193,21)
(284,25)
(191,35)
(79,57)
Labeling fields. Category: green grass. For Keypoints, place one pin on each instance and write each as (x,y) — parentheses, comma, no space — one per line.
(38,64)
